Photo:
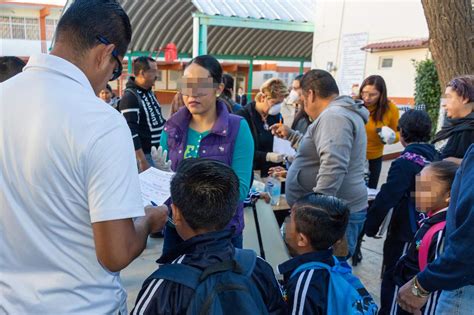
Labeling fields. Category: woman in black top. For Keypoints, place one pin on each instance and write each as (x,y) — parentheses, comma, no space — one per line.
(260,115)
(459,127)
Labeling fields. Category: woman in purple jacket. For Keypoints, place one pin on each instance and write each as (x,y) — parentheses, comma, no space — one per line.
(205,129)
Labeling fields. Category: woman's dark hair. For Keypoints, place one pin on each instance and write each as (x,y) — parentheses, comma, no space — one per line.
(301,114)
(10,66)
(84,20)
(382,103)
(207,193)
(445,171)
(210,64)
(320,82)
(298,78)
(415,126)
(464,86)
(228,82)
(323,219)
(108,87)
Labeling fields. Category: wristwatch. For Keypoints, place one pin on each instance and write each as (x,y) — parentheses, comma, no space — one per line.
(417,290)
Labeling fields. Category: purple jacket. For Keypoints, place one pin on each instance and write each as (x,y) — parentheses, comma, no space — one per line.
(217,145)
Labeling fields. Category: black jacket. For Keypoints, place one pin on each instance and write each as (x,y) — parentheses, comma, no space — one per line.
(407,267)
(165,297)
(263,139)
(143,115)
(396,194)
(316,293)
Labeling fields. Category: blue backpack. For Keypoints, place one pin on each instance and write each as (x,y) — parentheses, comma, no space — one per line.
(346,294)
(222,288)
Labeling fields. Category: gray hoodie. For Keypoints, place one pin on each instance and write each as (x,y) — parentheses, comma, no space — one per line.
(331,156)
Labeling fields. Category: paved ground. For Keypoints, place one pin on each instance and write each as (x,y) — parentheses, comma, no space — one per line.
(368,270)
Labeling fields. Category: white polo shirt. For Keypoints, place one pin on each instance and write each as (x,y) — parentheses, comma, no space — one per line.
(66,161)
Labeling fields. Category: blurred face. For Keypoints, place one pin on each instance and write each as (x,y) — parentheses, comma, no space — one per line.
(266,102)
(240,91)
(297,88)
(105,95)
(431,194)
(455,105)
(147,78)
(198,90)
(370,95)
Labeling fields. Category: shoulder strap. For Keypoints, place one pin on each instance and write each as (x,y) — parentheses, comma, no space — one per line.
(423,251)
(246,259)
(179,273)
(309,266)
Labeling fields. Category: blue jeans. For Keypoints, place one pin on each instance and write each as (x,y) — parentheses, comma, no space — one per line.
(354,228)
(456,302)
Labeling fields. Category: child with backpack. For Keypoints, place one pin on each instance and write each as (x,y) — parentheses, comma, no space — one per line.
(315,281)
(205,274)
(433,187)
(397,194)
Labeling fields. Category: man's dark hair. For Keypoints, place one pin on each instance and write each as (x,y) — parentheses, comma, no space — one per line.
(210,64)
(84,20)
(10,66)
(320,82)
(415,126)
(142,63)
(323,219)
(206,192)
(298,78)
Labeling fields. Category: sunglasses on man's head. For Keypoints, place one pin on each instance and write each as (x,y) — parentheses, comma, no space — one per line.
(118,70)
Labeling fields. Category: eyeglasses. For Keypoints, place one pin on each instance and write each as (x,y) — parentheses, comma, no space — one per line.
(117,71)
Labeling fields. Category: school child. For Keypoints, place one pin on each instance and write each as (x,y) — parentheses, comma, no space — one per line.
(205,274)
(315,281)
(396,194)
(432,195)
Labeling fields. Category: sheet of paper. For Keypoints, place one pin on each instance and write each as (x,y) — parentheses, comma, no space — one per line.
(283,146)
(155,186)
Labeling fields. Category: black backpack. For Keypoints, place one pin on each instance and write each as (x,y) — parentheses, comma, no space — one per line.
(222,288)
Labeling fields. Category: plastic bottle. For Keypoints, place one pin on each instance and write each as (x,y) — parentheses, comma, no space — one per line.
(273,188)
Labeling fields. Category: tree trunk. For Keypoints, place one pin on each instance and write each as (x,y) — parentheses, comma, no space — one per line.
(451,27)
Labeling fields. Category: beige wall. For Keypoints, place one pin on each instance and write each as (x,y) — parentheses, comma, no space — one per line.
(400,77)
(382,20)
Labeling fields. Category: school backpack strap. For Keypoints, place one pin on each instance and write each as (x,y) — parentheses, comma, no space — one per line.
(244,263)
(423,250)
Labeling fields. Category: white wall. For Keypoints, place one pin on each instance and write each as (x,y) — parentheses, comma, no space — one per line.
(399,78)
(21,47)
(383,20)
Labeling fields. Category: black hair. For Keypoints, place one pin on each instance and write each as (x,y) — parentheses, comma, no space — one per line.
(323,219)
(210,64)
(320,82)
(108,87)
(415,126)
(206,192)
(381,87)
(84,20)
(445,171)
(10,66)
(142,63)
(228,82)
(298,78)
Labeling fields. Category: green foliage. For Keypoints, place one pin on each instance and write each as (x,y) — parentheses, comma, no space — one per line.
(427,89)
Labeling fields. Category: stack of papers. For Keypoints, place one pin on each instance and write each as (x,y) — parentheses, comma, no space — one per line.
(155,186)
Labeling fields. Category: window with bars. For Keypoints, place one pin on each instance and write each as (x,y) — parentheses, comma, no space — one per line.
(50,28)
(12,27)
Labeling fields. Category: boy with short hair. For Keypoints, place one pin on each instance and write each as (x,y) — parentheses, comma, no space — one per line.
(205,194)
(316,224)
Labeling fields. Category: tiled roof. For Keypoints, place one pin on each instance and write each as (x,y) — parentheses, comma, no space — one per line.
(397,45)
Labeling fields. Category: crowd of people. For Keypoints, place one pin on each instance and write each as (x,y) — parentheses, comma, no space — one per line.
(73,215)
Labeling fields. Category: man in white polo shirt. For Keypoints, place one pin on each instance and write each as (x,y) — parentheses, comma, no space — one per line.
(68,178)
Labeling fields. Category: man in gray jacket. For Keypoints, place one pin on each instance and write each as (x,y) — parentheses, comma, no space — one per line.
(331,154)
